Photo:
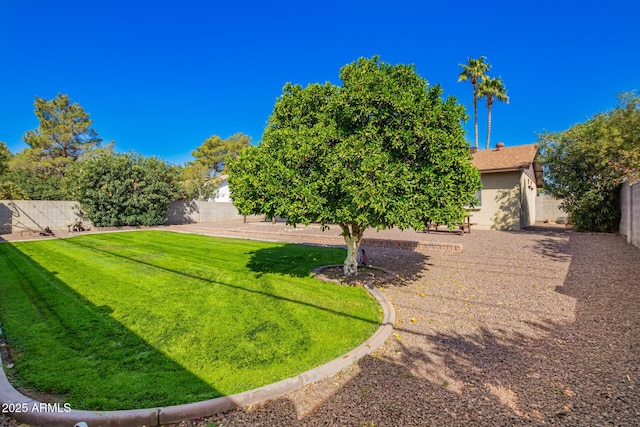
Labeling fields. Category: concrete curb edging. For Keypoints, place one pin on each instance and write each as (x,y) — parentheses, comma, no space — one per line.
(30,411)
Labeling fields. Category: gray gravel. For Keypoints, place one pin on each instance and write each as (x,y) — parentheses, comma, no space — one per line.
(538,327)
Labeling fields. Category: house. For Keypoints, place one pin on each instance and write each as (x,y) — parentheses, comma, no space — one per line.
(222,193)
(510,179)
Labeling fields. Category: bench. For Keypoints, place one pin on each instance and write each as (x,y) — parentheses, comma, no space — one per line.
(460,229)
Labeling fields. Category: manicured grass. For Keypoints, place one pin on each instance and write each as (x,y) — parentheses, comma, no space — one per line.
(153,318)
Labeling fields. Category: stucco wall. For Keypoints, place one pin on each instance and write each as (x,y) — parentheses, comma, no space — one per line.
(501,205)
(630,206)
(528,191)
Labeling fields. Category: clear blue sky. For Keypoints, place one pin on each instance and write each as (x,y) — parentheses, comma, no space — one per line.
(159,77)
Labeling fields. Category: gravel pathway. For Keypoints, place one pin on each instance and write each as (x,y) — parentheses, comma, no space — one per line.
(538,327)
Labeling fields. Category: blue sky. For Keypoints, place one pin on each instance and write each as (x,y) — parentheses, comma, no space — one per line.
(159,77)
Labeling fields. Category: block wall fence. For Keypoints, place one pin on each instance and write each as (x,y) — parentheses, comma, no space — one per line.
(16,215)
(630,204)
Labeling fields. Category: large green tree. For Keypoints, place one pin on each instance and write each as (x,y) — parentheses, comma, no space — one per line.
(382,150)
(585,164)
(64,135)
(64,132)
(474,71)
(492,89)
(215,152)
(123,189)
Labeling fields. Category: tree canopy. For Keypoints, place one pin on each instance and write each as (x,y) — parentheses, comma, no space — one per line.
(64,135)
(64,132)
(492,89)
(382,150)
(215,151)
(585,164)
(474,71)
(5,157)
(123,189)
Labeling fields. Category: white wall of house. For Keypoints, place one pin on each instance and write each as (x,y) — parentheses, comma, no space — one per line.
(222,193)
(508,201)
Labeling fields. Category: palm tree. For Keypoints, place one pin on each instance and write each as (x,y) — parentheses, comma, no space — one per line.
(492,88)
(474,70)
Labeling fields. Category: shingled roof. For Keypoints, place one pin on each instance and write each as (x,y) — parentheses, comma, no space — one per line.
(507,159)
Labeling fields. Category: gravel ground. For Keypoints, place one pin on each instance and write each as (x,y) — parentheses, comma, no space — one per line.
(538,327)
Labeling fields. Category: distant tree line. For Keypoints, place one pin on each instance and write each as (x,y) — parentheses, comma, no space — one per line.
(65,159)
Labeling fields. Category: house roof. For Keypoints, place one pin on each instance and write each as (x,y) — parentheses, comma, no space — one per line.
(505,159)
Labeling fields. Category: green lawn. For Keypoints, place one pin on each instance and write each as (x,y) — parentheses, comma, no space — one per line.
(154,318)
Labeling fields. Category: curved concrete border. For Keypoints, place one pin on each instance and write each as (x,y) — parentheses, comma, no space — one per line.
(37,413)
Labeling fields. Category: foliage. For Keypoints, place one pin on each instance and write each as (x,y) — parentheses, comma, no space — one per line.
(5,157)
(9,190)
(123,189)
(382,150)
(27,185)
(215,151)
(492,89)
(196,182)
(64,132)
(586,164)
(64,136)
(150,319)
(474,71)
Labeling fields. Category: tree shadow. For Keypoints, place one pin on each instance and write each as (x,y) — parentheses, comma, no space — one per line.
(6,219)
(295,259)
(93,343)
(182,212)
(550,242)
(508,208)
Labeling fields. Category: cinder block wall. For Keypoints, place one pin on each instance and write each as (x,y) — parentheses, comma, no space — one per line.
(16,215)
(184,212)
(630,207)
(548,209)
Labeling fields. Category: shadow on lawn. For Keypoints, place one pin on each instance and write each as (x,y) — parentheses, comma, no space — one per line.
(295,259)
(83,345)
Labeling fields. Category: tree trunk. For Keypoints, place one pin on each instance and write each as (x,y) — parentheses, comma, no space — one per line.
(475,114)
(488,124)
(352,234)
